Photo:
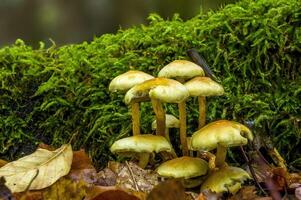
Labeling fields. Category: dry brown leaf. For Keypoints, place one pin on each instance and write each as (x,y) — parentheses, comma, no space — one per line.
(66,189)
(112,193)
(39,169)
(3,162)
(168,190)
(82,168)
(81,161)
(131,177)
(192,196)
(294,179)
(279,177)
(298,193)
(246,192)
(46,146)
(201,197)
(106,177)
(29,195)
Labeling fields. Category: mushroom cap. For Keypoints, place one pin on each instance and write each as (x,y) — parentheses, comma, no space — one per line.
(127,80)
(170,121)
(163,89)
(182,69)
(227,179)
(146,143)
(183,167)
(223,132)
(204,86)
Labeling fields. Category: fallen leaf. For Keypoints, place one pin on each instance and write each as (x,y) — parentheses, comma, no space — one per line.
(46,146)
(168,190)
(131,177)
(201,197)
(192,196)
(279,177)
(81,161)
(29,195)
(298,193)
(3,162)
(66,189)
(106,177)
(245,193)
(294,179)
(112,193)
(37,170)
(82,168)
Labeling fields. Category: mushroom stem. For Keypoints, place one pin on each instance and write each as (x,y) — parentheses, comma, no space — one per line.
(160,117)
(183,135)
(143,159)
(167,134)
(202,111)
(220,156)
(135,118)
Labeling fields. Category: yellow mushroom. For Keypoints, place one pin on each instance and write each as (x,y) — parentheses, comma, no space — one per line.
(123,83)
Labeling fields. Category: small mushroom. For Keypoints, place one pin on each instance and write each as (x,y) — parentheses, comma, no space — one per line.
(202,87)
(220,135)
(182,70)
(124,82)
(158,90)
(189,169)
(141,146)
(226,179)
(170,122)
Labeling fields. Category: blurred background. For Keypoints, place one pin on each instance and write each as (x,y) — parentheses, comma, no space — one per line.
(74,21)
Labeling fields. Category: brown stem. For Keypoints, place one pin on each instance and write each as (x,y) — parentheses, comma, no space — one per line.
(202,111)
(167,134)
(183,134)
(143,159)
(135,118)
(220,156)
(160,117)
(251,169)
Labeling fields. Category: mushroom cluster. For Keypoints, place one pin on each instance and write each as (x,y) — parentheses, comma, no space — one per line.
(176,82)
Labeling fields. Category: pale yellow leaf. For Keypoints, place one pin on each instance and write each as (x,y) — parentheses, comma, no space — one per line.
(47,166)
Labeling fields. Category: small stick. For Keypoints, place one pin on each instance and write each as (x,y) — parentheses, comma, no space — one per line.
(132,175)
(252,170)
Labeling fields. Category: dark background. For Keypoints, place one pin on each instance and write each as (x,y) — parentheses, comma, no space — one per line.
(74,21)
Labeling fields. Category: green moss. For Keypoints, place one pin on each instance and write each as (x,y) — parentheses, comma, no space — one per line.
(254,47)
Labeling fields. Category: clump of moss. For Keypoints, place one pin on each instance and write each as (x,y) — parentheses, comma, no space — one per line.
(254,47)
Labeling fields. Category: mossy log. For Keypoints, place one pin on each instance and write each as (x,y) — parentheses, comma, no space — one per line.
(254,47)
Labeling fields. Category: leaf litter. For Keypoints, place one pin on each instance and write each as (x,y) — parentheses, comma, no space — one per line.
(127,181)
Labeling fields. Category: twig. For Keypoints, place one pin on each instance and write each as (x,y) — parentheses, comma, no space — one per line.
(132,175)
(252,170)
(72,137)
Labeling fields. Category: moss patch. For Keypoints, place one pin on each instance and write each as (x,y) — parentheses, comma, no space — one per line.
(254,47)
